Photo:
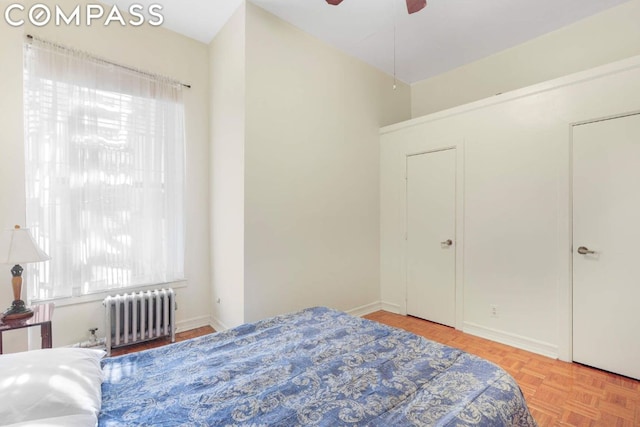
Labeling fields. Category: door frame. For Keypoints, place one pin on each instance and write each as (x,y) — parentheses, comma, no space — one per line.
(419,148)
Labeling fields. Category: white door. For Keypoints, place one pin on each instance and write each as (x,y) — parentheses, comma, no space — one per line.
(431,213)
(606,245)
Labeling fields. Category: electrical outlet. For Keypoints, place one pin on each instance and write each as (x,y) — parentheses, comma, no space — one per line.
(494,311)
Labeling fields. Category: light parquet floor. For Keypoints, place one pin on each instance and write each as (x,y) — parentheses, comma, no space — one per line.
(162,341)
(558,393)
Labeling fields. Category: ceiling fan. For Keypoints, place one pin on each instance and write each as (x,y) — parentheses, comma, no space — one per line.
(413,6)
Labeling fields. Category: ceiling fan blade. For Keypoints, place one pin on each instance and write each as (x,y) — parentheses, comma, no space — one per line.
(414,6)
(334,2)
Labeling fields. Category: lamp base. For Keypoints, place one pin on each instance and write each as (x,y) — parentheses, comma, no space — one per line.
(18,310)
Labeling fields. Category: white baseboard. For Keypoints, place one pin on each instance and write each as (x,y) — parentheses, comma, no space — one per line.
(365,309)
(218,325)
(514,340)
(391,308)
(193,323)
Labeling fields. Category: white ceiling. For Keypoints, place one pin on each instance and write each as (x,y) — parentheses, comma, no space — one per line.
(444,35)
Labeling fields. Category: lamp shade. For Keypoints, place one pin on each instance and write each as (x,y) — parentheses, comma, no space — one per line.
(18,247)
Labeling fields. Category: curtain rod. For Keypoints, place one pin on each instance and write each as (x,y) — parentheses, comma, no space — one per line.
(30,37)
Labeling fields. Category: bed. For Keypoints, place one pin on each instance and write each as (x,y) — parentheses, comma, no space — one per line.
(316,367)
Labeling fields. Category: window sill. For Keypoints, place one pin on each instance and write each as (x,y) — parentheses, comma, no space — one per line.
(85,299)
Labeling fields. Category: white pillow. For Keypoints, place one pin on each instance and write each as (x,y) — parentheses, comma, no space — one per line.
(66,421)
(50,383)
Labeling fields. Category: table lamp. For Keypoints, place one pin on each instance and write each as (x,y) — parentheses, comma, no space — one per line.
(18,247)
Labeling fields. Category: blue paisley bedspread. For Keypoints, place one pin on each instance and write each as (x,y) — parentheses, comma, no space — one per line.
(317,367)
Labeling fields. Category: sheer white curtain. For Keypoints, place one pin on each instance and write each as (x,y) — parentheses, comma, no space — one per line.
(104,174)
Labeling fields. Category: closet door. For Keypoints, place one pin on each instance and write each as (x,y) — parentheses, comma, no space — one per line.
(431,219)
(606,245)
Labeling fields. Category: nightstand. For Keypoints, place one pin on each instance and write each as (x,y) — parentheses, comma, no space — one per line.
(42,315)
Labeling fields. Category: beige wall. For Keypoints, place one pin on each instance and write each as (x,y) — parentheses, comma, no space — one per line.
(294,170)
(12,196)
(227,77)
(147,48)
(311,171)
(516,206)
(600,39)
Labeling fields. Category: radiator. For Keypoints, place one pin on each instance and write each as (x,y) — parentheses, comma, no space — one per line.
(139,316)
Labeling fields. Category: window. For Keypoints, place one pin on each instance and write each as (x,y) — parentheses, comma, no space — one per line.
(104,174)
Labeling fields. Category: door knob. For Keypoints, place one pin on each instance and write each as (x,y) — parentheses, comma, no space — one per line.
(447,242)
(585,251)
